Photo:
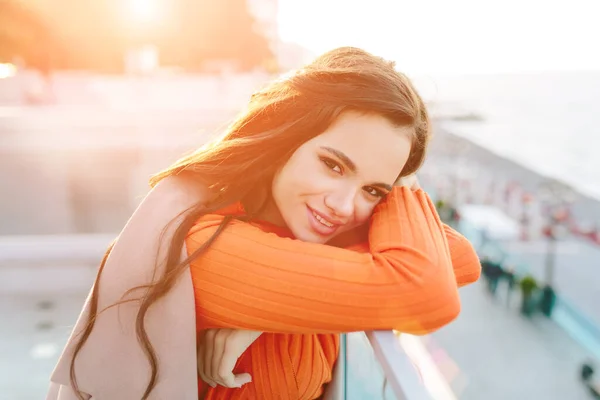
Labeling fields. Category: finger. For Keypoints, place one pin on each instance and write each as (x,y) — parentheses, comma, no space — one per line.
(200,358)
(407,181)
(242,379)
(208,344)
(218,348)
(416,185)
(227,379)
(226,366)
(204,378)
(412,182)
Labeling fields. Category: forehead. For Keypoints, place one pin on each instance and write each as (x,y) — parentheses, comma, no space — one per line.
(377,147)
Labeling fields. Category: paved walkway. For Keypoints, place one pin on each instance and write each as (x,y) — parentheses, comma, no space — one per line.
(34,331)
(495,353)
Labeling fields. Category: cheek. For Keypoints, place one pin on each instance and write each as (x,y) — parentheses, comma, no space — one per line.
(292,183)
(283,191)
(306,178)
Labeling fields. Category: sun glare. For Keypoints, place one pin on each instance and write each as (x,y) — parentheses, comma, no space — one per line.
(144,10)
(7,71)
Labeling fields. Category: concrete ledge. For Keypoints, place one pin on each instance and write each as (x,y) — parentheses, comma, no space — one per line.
(47,280)
(54,250)
(50,264)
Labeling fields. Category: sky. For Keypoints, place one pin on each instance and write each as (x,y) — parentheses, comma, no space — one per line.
(453,36)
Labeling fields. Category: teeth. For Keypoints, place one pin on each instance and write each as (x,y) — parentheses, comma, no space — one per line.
(323,220)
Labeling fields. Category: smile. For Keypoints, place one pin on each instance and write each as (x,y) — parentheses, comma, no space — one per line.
(323,220)
(320,224)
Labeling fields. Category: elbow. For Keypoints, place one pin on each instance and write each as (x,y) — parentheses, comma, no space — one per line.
(469,278)
(450,315)
(442,311)
(444,302)
(451,308)
(475,270)
(467,266)
(435,325)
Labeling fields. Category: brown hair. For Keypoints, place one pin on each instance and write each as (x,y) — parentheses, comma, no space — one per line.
(240,165)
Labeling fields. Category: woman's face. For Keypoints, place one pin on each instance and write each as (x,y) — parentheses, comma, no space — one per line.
(333,182)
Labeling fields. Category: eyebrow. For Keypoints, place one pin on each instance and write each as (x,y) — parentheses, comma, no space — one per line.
(352,166)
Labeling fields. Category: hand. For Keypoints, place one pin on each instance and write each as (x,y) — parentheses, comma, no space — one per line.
(218,352)
(410,181)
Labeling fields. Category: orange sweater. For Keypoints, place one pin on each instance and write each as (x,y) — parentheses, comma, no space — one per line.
(303,294)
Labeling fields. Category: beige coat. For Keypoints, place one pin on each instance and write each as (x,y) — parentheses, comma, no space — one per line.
(112,366)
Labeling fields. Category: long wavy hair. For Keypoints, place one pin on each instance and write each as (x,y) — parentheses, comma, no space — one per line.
(240,165)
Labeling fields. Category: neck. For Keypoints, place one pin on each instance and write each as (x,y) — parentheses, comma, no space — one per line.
(270,213)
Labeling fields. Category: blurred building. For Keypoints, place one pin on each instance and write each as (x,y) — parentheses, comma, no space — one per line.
(288,55)
(265,12)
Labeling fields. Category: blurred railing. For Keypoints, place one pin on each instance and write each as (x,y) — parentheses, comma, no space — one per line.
(385,365)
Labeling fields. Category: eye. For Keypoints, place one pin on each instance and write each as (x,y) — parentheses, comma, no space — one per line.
(372,191)
(331,164)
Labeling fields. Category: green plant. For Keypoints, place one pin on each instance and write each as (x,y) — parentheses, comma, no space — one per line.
(528,285)
(440,204)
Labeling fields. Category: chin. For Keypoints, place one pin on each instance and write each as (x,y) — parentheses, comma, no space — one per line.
(307,236)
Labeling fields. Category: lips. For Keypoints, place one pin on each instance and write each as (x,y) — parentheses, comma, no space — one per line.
(321,224)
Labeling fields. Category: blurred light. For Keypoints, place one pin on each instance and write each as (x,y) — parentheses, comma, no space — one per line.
(7,70)
(144,10)
(435,383)
(142,60)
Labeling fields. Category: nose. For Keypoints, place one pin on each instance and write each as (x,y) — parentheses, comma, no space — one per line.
(341,203)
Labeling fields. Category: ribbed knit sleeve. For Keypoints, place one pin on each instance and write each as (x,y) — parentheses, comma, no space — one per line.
(249,279)
(465,261)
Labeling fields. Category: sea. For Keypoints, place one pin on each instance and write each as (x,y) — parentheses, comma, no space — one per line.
(546,121)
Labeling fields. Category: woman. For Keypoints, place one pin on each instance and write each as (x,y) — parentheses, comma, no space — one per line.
(314,157)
